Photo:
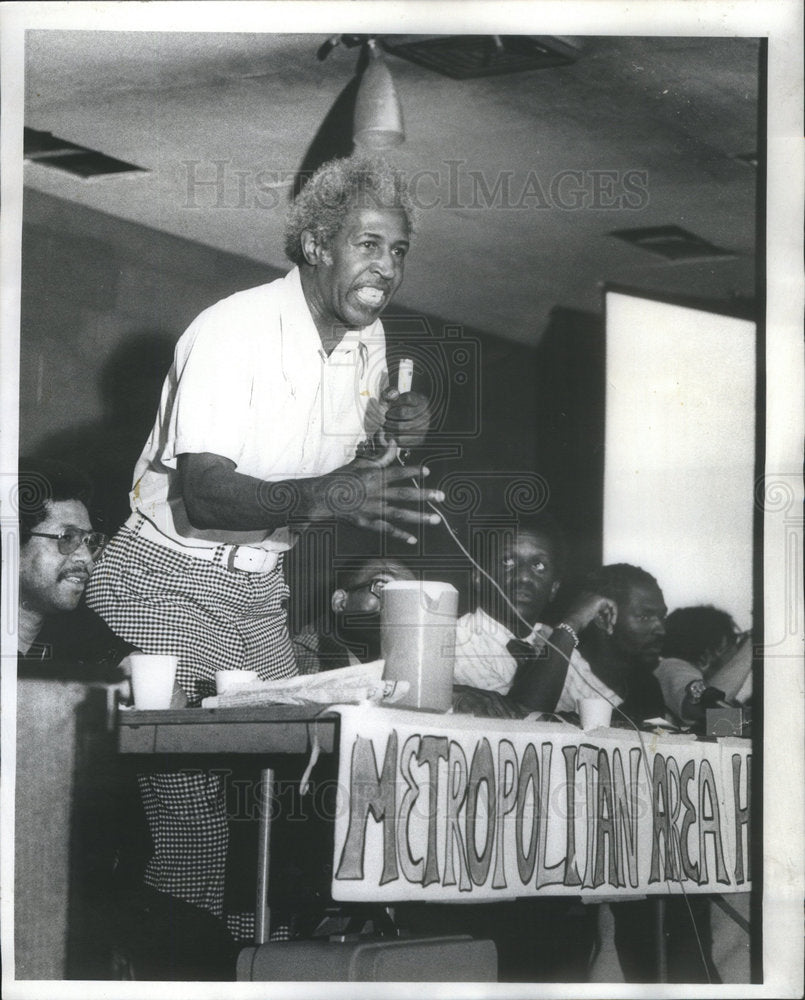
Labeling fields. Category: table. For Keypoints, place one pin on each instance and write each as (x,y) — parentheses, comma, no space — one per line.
(263,730)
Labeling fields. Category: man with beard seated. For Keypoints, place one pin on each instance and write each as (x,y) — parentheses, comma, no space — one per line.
(623,648)
(623,645)
(56,634)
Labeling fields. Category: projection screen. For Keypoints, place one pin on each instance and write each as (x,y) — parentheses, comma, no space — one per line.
(680,450)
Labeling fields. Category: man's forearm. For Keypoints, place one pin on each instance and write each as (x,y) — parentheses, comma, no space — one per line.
(216,496)
(539,685)
(367,493)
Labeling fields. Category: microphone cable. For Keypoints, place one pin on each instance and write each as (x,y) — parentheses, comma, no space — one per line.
(676,847)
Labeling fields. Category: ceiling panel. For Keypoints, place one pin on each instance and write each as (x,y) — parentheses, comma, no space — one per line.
(517,212)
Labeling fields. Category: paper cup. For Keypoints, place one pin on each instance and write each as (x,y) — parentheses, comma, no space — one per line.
(152,679)
(594,712)
(225,680)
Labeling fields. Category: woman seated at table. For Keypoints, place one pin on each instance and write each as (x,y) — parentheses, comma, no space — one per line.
(699,642)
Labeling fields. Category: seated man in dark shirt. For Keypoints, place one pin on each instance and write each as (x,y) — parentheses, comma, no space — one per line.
(59,640)
(623,648)
(57,636)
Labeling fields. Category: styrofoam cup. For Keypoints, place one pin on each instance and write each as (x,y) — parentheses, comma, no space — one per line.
(225,680)
(152,679)
(594,712)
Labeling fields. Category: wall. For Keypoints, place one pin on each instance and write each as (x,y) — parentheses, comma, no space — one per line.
(680,456)
(104,300)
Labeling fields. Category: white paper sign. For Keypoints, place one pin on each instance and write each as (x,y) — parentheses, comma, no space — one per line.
(456,807)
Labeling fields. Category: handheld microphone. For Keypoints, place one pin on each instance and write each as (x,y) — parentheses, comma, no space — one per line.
(405,375)
(405,378)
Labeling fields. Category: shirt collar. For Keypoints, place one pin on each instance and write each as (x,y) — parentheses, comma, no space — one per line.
(305,327)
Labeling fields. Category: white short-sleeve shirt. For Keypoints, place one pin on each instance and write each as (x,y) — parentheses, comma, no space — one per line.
(251,382)
(483,661)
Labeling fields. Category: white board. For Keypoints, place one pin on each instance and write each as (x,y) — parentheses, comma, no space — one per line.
(680,450)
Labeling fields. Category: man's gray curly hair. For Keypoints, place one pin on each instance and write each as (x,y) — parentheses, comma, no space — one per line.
(336,187)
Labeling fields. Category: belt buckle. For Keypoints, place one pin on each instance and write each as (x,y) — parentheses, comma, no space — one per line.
(249,560)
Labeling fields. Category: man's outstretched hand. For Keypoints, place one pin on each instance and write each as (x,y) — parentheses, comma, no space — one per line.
(372,491)
(378,494)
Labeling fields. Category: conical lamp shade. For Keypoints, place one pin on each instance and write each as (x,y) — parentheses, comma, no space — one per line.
(378,121)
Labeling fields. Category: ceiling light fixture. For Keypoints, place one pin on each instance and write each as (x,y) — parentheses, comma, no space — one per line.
(672,242)
(378,119)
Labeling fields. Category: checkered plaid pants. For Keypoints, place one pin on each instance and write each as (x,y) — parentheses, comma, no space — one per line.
(212,618)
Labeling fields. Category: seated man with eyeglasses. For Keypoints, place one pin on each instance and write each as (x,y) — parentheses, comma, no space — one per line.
(351,633)
(66,765)
(58,549)
(59,638)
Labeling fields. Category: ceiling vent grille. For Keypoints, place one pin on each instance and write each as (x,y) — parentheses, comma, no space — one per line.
(44,147)
(671,242)
(467,57)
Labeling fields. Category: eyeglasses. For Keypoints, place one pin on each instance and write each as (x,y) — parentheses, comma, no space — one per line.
(377,587)
(71,539)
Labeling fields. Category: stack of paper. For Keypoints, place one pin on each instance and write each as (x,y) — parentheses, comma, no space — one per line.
(348,686)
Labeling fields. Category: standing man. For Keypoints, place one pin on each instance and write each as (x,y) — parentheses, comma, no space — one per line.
(271,392)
